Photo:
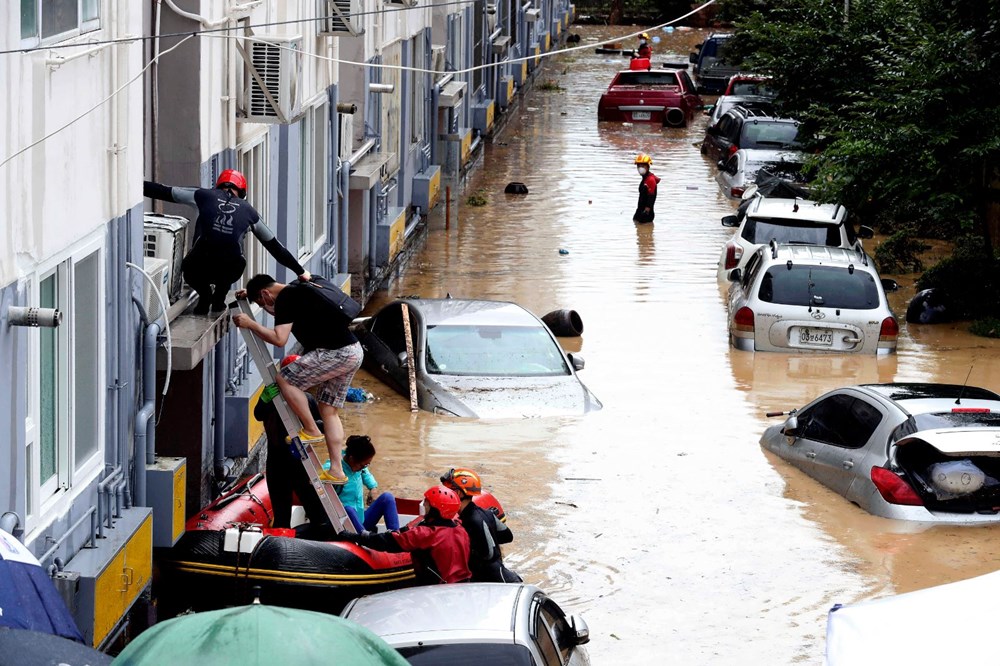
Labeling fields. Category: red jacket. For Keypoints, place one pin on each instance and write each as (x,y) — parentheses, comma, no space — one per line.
(448,548)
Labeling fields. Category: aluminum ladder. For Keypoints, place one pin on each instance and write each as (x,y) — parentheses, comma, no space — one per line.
(339,519)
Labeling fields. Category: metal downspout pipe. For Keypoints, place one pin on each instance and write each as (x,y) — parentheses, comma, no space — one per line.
(373,196)
(223,466)
(345,208)
(145,428)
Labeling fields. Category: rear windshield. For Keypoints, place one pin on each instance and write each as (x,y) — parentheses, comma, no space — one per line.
(751,88)
(821,286)
(761,231)
(647,79)
(939,420)
(757,134)
(463,654)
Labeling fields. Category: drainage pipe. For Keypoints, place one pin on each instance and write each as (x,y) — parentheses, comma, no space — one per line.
(55,546)
(345,208)
(223,465)
(145,430)
(9,522)
(373,197)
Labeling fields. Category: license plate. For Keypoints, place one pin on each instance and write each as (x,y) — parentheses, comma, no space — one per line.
(815,337)
(640,115)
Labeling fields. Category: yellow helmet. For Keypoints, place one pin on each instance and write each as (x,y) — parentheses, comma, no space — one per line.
(644,35)
(643,158)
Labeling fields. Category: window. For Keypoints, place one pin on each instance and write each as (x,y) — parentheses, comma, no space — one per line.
(841,420)
(826,286)
(64,427)
(252,161)
(391,116)
(50,20)
(312,180)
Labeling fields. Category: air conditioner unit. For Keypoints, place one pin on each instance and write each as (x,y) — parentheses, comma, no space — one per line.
(345,135)
(159,272)
(272,80)
(338,17)
(166,237)
(438,57)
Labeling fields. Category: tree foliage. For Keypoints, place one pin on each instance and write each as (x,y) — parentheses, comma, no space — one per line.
(899,98)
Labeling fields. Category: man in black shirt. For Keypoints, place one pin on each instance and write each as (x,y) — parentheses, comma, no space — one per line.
(330,356)
(216,258)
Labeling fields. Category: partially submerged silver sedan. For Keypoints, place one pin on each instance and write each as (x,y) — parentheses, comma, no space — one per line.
(475,358)
(920,452)
(487,624)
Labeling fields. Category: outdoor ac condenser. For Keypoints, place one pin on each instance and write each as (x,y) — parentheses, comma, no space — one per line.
(166,237)
(159,272)
(339,18)
(272,79)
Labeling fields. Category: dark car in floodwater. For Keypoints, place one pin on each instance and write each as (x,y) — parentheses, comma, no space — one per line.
(474,358)
(920,452)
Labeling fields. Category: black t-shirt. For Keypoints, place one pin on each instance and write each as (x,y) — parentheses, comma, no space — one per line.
(316,323)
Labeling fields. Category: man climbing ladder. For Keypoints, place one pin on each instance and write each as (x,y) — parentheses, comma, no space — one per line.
(303,450)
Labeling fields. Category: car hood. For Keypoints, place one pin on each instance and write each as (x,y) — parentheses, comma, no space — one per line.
(959,441)
(510,397)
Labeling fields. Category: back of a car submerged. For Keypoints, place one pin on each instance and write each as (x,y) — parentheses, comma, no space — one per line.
(944,475)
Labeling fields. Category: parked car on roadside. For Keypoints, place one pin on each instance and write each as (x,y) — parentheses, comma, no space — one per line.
(487,624)
(710,68)
(759,220)
(810,298)
(726,102)
(739,170)
(749,127)
(754,85)
(922,452)
(474,358)
(663,96)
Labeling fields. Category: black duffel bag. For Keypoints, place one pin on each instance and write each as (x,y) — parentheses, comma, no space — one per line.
(335,295)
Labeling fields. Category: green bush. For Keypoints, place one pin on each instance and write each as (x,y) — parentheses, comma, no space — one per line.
(968,279)
(477,199)
(988,327)
(898,253)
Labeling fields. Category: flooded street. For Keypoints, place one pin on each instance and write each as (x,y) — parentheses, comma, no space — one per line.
(659,518)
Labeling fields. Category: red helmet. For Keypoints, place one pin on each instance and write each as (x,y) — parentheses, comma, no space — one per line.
(234,178)
(288,360)
(463,481)
(445,500)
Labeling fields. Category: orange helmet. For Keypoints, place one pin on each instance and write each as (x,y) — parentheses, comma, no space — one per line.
(288,360)
(234,178)
(445,500)
(463,481)
(643,158)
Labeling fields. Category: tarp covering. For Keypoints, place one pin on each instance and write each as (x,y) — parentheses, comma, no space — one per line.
(947,624)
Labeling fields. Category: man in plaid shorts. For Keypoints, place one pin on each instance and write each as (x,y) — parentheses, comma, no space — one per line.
(330,356)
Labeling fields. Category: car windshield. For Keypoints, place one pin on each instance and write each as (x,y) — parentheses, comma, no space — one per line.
(759,231)
(787,170)
(462,654)
(748,88)
(757,134)
(819,286)
(647,79)
(520,351)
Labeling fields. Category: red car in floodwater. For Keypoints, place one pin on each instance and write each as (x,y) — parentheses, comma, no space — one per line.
(666,96)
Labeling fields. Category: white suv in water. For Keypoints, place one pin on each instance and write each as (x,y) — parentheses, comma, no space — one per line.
(794,221)
(809,298)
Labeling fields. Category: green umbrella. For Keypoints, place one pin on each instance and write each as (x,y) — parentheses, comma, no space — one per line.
(258,634)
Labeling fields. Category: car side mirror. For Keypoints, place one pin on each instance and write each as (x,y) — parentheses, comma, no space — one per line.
(791,427)
(576,361)
(692,57)
(730,221)
(708,108)
(580,629)
(735,275)
(721,164)
(402,358)
(889,284)
(865,232)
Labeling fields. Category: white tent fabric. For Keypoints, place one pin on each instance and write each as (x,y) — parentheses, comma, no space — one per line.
(937,625)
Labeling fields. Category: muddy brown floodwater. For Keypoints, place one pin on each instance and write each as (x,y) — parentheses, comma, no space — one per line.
(659,519)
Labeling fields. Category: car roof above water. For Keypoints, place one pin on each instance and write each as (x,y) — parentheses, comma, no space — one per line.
(816,254)
(470,608)
(798,209)
(460,312)
(928,397)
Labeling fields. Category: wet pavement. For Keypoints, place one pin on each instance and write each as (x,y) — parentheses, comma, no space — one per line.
(659,518)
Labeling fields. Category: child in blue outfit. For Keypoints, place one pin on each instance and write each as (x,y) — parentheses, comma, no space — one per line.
(358,454)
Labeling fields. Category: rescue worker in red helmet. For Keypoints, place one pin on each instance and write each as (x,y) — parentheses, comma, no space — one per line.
(486,531)
(645,50)
(438,544)
(216,258)
(647,189)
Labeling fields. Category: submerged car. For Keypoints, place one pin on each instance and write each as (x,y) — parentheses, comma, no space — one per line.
(749,127)
(739,171)
(488,624)
(474,358)
(709,63)
(790,220)
(810,298)
(663,96)
(726,102)
(921,452)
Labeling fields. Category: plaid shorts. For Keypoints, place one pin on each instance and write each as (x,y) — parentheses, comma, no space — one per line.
(330,370)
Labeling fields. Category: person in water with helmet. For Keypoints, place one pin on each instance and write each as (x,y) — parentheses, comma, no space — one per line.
(438,544)
(486,531)
(645,50)
(647,189)
(216,258)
